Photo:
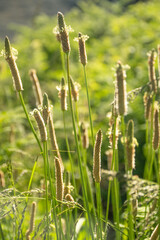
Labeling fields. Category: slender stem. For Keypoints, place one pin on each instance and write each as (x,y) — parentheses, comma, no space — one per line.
(52,194)
(89,189)
(151,156)
(69,154)
(147,150)
(30,124)
(99,209)
(78,151)
(46,183)
(89,106)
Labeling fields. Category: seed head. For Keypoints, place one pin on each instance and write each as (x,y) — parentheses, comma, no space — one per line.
(97,157)
(41,125)
(63,94)
(74,89)
(63,33)
(147,99)
(53,139)
(82,48)
(11,59)
(151,69)
(59,180)
(121,89)
(32,220)
(36,87)
(156,134)
(45,108)
(130,145)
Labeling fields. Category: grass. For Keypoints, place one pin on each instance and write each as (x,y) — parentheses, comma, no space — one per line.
(85,212)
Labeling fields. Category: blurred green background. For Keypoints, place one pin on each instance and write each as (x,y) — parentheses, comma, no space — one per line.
(119,30)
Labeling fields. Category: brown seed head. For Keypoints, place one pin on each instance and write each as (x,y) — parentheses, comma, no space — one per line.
(151,69)
(11,59)
(59,180)
(45,108)
(63,33)
(63,94)
(82,49)
(53,139)
(74,89)
(36,87)
(147,99)
(41,125)
(121,89)
(97,157)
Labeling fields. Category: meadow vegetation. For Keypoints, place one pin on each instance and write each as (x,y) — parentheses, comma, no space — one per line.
(80,151)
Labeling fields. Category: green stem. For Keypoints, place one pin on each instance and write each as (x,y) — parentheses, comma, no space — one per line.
(89,189)
(46,184)
(69,154)
(99,209)
(30,124)
(78,151)
(89,106)
(147,150)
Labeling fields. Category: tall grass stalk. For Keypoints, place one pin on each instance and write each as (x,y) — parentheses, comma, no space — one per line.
(99,211)
(84,153)
(151,156)
(112,167)
(29,121)
(147,149)
(46,183)
(78,150)
(129,174)
(69,154)
(89,106)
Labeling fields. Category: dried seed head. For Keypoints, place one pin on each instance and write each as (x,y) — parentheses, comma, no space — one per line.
(97,157)
(45,108)
(75,89)
(151,69)
(59,180)
(82,48)
(63,33)
(32,220)
(2,179)
(121,89)
(53,139)
(62,94)
(109,154)
(156,134)
(36,87)
(41,125)
(11,59)
(85,138)
(147,99)
(130,145)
